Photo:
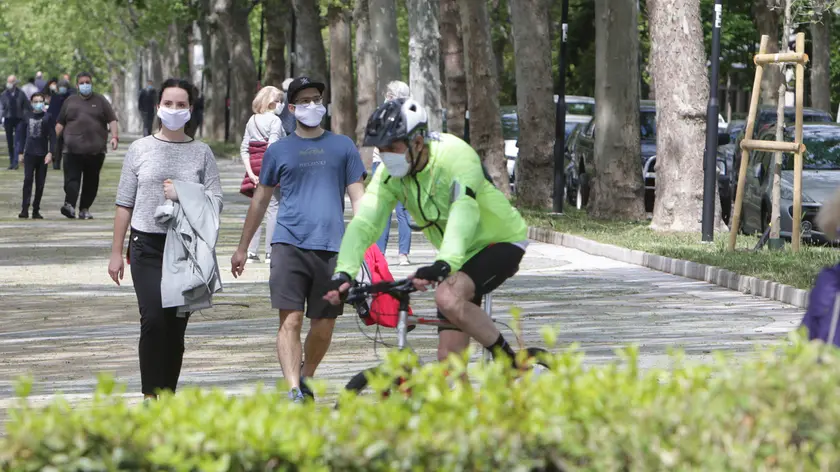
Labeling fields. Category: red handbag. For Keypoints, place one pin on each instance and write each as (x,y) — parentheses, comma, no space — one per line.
(256,151)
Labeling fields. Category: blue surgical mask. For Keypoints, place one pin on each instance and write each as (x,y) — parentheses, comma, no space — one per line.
(62,90)
(38,106)
(85,89)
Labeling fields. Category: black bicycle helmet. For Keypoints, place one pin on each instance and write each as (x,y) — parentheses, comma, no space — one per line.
(394,120)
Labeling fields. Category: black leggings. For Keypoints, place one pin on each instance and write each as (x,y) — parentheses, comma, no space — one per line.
(161,330)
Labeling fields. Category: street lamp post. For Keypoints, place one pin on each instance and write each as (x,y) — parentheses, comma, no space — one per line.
(709,165)
(560,117)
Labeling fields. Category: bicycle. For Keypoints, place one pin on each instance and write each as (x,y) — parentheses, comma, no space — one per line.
(358,296)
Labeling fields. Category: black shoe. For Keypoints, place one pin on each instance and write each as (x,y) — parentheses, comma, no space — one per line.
(84,214)
(23,214)
(304,389)
(36,215)
(68,211)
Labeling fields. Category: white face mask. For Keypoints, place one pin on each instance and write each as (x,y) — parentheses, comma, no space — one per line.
(310,115)
(395,163)
(173,119)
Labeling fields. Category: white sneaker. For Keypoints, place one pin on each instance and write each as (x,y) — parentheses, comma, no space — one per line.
(267,258)
(252,257)
(404,260)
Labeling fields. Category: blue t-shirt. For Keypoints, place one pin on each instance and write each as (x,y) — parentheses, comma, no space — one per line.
(313,175)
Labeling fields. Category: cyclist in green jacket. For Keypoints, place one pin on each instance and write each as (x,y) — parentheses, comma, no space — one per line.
(439,179)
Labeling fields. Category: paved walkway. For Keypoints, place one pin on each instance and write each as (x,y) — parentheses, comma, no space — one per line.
(62,320)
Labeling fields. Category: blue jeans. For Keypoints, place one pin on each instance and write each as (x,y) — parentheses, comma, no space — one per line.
(402,225)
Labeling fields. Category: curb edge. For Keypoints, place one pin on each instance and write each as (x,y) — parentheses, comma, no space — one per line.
(715,275)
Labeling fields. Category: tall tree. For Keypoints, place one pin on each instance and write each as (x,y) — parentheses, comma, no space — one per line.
(277,23)
(452,47)
(365,76)
(310,55)
(534,100)
(821,60)
(424,58)
(617,188)
(679,70)
(217,58)
(767,14)
(483,91)
(233,19)
(382,15)
(341,70)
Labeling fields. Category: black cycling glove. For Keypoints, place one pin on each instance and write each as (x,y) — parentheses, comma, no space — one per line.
(339,279)
(433,273)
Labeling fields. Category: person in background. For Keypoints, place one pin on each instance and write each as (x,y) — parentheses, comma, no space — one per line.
(263,129)
(29,88)
(56,102)
(39,81)
(146,104)
(50,90)
(286,116)
(15,106)
(150,165)
(395,90)
(84,122)
(314,169)
(197,116)
(38,145)
(70,89)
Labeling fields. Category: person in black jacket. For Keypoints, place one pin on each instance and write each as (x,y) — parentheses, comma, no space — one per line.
(38,137)
(15,106)
(146,104)
(54,109)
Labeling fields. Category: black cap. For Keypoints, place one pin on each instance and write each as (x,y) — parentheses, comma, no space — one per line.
(302,83)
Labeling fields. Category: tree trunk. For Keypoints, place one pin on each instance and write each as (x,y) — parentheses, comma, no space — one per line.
(382,15)
(341,73)
(678,62)
(767,15)
(452,47)
(365,77)
(617,187)
(310,55)
(534,103)
(424,58)
(821,62)
(155,65)
(131,122)
(170,59)
(215,75)
(233,18)
(483,92)
(277,23)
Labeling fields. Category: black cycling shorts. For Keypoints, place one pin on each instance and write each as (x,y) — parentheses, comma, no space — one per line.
(489,269)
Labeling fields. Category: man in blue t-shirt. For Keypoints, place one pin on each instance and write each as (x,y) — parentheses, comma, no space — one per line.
(310,171)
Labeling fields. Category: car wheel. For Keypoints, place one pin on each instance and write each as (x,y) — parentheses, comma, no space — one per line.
(582,198)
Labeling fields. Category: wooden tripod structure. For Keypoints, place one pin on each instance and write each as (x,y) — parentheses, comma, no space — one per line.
(797,147)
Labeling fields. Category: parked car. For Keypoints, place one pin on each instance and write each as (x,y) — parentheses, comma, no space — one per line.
(582,155)
(578,105)
(765,121)
(510,132)
(820,179)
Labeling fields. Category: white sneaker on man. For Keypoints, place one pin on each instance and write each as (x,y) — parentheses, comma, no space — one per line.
(404,261)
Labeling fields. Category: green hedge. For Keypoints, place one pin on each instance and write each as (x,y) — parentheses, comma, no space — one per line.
(778,410)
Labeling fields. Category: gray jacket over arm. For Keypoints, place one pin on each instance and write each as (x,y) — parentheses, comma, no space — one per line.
(190,270)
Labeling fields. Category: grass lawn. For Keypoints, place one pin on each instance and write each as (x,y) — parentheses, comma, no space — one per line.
(798,270)
(225,150)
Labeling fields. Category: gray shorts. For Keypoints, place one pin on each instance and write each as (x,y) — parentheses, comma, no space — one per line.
(300,278)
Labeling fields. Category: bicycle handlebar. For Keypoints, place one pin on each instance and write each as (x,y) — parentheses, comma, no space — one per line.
(359,292)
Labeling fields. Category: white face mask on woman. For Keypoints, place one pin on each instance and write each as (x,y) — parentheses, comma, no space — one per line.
(173,119)
(310,115)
